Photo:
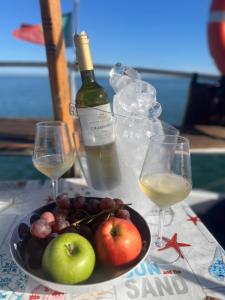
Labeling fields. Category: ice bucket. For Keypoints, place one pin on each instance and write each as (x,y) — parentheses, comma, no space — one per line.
(116,166)
(115,143)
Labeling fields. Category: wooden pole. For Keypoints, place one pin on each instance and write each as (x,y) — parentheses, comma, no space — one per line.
(57,66)
(56,59)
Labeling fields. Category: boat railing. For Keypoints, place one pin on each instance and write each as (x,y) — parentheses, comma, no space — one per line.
(107,67)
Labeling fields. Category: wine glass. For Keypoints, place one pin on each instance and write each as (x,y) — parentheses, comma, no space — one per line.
(168,129)
(53,151)
(166,180)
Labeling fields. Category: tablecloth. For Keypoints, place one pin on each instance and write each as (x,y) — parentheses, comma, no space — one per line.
(200,273)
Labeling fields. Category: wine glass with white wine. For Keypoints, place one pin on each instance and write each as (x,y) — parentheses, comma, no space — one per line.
(166,180)
(53,151)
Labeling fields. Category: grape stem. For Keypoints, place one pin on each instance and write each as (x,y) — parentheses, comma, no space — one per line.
(89,218)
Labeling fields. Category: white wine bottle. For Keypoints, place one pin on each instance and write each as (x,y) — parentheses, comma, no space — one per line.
(96,122)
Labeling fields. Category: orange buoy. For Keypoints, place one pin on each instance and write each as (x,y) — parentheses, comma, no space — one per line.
(216,33)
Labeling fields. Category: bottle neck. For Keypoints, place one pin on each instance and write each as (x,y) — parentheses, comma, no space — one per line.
(87,77)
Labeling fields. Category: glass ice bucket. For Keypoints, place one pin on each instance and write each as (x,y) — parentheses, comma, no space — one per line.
(114,167)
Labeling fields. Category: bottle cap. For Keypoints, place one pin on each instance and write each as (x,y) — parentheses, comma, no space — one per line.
(83,51)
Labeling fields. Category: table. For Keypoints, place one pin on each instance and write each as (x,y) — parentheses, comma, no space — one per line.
(199,274)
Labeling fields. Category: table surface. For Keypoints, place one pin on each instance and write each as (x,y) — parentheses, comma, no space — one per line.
(199,274)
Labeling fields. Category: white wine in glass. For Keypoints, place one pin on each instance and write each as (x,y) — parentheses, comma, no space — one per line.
(165,189)
(166,178)
(53,151)
(53,165)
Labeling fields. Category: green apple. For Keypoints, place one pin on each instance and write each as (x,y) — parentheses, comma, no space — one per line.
(69,259)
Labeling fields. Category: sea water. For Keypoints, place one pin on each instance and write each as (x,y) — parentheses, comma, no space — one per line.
(30,96)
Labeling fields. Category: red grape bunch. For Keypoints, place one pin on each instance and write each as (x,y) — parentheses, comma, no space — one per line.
(78,214)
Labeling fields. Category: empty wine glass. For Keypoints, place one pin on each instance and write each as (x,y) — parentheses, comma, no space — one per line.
(53,151)
(166,180)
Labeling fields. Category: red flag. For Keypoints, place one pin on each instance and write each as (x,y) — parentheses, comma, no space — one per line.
(30,33)
(34,33)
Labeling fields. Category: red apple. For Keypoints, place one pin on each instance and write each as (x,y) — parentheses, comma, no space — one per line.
(117,241)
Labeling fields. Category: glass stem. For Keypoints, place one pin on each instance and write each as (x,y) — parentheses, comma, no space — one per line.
(55,188)
(160,242)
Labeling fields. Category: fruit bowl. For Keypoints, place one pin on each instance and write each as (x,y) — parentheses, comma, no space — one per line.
(102,275)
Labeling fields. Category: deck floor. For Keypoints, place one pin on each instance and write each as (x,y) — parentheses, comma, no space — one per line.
(17,136)
(205,138)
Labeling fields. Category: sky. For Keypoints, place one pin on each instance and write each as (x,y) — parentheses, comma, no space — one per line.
(169,35)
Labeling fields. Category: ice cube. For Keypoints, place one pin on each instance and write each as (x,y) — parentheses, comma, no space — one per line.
(120,76)
(136,99)
(132,73)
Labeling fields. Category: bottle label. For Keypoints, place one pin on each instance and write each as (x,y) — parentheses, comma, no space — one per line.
(96,125)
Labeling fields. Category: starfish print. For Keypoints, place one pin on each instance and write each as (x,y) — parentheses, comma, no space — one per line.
(172,243)
(194,219)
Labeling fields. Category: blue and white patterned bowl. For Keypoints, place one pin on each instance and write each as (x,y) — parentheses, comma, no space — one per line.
(99,278)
